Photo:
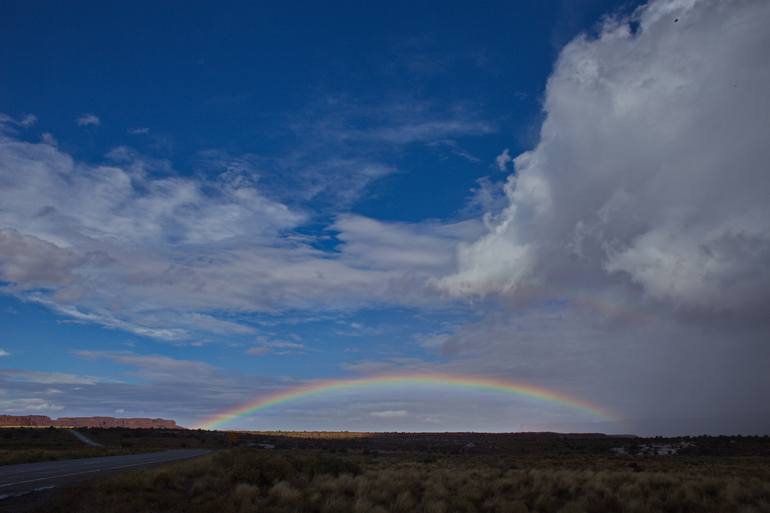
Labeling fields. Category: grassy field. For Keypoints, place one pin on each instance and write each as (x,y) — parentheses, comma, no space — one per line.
(524,474)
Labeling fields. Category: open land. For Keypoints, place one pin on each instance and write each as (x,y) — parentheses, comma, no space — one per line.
(432,473)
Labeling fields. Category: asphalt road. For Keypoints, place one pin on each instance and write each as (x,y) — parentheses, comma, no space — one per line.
(29,477)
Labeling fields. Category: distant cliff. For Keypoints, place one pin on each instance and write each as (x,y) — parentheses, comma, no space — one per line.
(84,422)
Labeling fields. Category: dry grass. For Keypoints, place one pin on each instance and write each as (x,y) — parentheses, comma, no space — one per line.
(243,480)
(25,445)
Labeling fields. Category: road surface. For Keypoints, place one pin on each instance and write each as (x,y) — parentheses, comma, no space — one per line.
(29,477)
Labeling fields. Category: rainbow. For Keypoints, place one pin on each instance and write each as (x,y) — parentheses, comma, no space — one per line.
(449,380)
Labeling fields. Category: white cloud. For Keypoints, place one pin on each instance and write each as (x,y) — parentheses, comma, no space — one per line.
(650,169)
(48,378)
(503,160)
(156,253)
(28,405)
(403,364)
(9,124)
(399,121)
(88,119)
(488,199)
(631,252)
(28,120)
(34,262)
(344,148)
(389,414)
(156,368)
(166,387)
(141,130)
(424,131)
(379,245)
(3,352)
(433,340)
(280,344)
(279,347)
(49,139)
(452,147)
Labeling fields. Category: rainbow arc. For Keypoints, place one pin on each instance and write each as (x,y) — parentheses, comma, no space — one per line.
(435,379)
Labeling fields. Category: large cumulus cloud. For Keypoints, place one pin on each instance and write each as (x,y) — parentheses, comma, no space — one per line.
(630,262)
(651,171)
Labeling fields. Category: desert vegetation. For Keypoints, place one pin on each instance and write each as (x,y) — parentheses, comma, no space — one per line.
(341,480)
(25,445)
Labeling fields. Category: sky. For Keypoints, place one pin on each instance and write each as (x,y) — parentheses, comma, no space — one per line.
(206,204)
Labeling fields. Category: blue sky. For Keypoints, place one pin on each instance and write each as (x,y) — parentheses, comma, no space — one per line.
(267,82)
(205,203)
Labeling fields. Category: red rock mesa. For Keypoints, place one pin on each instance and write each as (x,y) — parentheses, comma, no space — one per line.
(84,422)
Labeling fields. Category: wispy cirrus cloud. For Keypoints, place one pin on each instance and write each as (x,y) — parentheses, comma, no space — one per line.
(10,123)
(153,367)
(397,121)
(27,405)
(132,245)
(451,147)
(389,414)
(48,378)
(336,151)
(279,347)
